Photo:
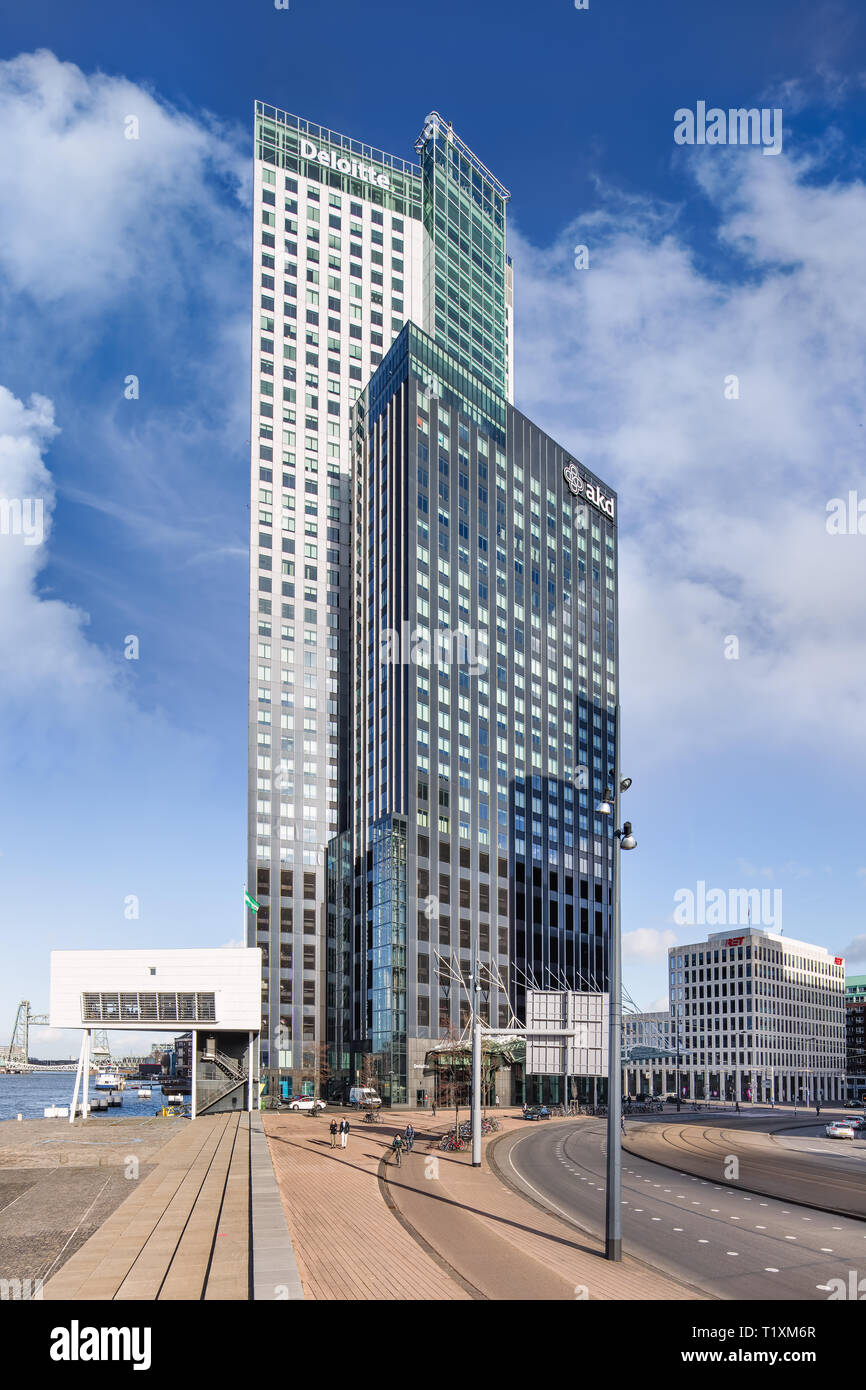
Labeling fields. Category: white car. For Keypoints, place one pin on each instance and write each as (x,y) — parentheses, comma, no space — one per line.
(837,1130)
(305,1103)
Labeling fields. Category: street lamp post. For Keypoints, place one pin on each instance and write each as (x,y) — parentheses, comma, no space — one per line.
(476,1065)
(623,839)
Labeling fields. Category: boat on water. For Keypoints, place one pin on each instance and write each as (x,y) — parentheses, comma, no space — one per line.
(107,1080)
(144,1093)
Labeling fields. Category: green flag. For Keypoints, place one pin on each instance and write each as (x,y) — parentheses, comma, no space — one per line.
(251,902)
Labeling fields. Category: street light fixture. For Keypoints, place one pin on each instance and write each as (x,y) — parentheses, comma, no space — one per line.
(624,839)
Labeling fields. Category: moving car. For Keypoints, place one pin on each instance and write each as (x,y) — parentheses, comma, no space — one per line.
(305,1103)
(537,1112)
(837,1130)
(857,1122)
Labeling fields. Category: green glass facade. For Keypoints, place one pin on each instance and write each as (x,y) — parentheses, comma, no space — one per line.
(464,213)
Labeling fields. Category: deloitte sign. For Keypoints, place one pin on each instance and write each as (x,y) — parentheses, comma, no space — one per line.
(332,160)
(591,491)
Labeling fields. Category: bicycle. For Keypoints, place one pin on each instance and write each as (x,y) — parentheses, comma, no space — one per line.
(452,1143)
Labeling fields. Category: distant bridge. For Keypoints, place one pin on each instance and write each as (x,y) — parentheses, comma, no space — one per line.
(26,1068)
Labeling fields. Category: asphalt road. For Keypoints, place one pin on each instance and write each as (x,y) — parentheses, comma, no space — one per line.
(726,1241)
(790,1160)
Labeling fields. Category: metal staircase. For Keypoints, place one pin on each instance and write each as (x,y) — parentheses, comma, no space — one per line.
(232,1070)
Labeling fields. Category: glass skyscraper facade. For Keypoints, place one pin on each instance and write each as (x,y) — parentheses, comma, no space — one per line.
(485,692)
(433,681)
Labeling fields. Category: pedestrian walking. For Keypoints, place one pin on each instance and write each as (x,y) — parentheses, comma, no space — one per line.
(738,1107)
(344,1133)
(817,1107)
(409,1135)
(334,1132)
(434,1110)
(397,1145)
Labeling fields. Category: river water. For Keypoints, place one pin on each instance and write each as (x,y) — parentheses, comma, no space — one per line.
(28,1095)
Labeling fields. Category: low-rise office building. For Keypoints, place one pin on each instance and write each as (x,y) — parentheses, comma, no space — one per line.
(758,1015)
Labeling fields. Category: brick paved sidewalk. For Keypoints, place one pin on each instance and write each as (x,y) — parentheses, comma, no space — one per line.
(490,1242)
(347,1242)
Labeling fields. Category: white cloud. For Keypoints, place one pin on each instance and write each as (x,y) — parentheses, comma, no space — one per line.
(855,951)
(45,650)
(722,502)
(88,215)
(647,944)
(97,229)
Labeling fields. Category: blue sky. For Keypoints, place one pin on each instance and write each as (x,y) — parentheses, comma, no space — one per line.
(127,778)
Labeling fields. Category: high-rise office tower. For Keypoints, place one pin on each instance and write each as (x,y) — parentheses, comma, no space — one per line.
(455,792)
(484,685)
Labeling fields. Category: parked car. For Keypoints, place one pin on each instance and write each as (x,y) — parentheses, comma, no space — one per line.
(536,1112)
(305,1103)
(837,1130)
(364,1097)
